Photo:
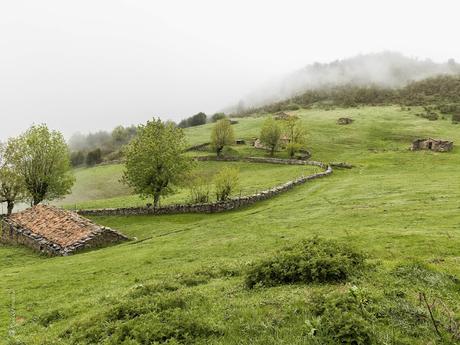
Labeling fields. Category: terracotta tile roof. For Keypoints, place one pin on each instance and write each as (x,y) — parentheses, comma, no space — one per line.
(58,226)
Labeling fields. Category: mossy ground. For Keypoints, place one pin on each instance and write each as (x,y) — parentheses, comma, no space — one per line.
(399,207)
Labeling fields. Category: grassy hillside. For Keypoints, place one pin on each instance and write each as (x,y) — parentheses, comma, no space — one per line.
(100,187)
(181,282)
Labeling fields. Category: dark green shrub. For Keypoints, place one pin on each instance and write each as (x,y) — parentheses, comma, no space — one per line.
(343,318)
(146,317)
(52,316)
(456,118)
(345,327)
(195,120)
(429,114)
(448,108)
(313,260)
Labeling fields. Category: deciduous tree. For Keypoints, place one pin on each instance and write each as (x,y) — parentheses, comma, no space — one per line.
(270,134)
(155,159)
(296,133)
(222,135)
(12,188)
(41,158)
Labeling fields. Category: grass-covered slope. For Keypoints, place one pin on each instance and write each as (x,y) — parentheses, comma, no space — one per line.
(182,281)
(100,187)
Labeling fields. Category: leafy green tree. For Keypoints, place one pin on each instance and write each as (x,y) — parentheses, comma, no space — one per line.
(41,158)
(155,160)
(12,187)
(270,134)
(226,181)
(296,133)
(222,135)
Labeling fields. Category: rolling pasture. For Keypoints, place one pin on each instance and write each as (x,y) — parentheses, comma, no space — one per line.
(181,280)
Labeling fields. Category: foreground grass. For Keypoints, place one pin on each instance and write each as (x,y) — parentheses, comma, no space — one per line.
(400,207)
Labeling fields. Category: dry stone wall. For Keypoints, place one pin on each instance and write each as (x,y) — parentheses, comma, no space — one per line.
(228,205)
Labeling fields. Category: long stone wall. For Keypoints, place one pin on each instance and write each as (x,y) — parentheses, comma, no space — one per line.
(228,205)
(263,160)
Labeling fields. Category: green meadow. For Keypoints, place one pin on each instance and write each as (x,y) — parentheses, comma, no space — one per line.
(101,187)
(181,279)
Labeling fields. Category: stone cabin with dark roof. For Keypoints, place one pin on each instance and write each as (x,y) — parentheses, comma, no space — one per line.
(54,231)
(432,145)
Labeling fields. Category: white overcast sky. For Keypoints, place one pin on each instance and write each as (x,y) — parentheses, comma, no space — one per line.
(85,65)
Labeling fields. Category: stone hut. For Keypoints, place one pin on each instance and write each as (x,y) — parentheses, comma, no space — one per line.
(344,121)
(55,231)
(284,141)
(432,145)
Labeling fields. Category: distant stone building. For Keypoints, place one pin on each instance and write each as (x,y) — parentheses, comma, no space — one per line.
(284,141)
(55,231)
(432,145)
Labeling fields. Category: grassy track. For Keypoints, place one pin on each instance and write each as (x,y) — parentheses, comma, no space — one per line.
(398,206)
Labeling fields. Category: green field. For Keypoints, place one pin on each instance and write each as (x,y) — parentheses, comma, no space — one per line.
(181,280)
(100,187)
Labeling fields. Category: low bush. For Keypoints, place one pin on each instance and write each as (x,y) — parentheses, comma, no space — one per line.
(310,261)
(448,108)
(429,114)
(226,181)
(456,118)
(199,189)
(151,318)
(342,318)
(50,317)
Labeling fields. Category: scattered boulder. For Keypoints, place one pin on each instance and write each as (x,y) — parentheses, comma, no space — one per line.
(437,145)
(344,121)
(282,116)
(303,155)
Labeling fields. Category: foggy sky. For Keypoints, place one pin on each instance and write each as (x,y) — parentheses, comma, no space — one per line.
(93,64)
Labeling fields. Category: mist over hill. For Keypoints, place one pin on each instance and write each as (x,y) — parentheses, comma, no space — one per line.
(386,69)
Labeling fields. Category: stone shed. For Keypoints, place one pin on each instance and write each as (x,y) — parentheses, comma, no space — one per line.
(432,144)
(54,231)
